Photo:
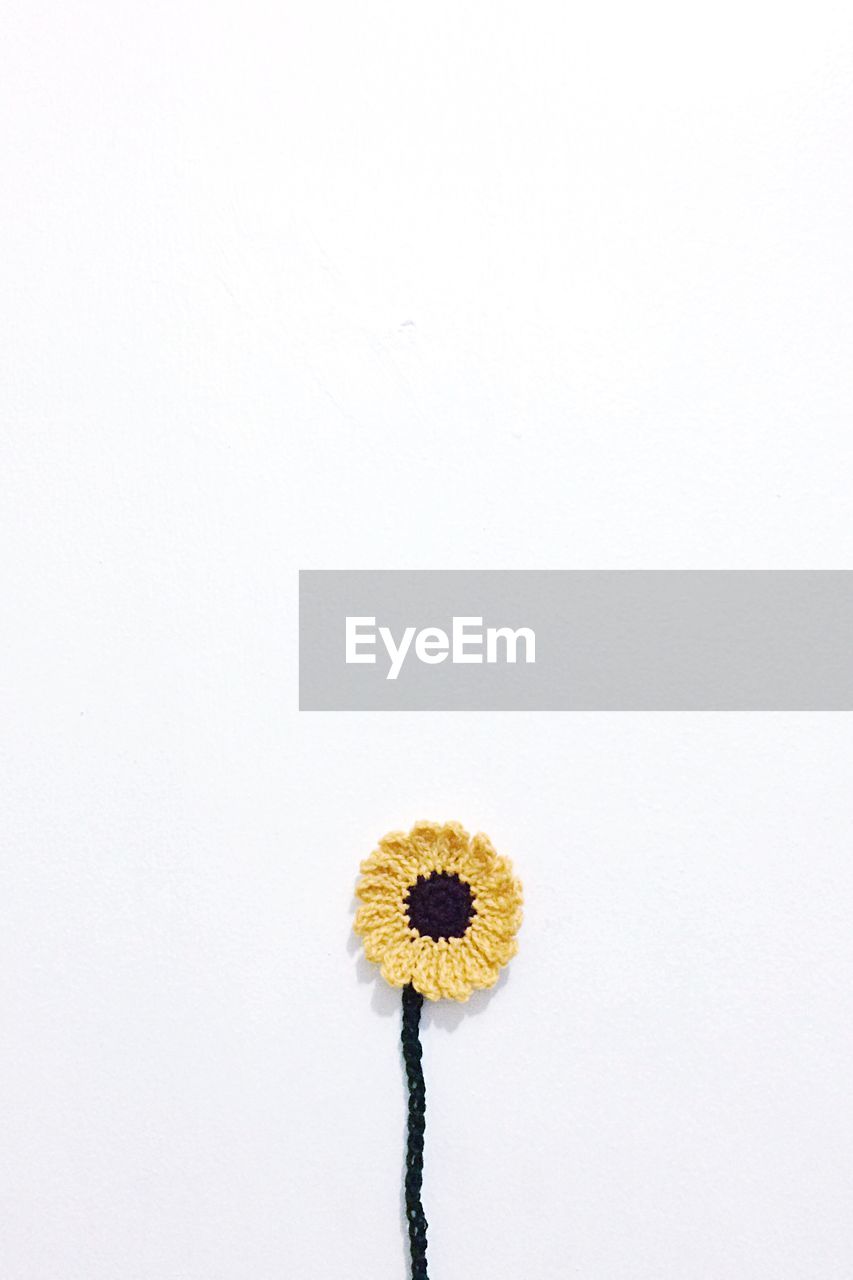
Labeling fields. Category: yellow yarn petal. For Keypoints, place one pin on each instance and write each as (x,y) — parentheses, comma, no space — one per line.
(435,869)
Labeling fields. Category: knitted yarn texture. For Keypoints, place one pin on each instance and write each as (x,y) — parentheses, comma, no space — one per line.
(440,910)
(439,913)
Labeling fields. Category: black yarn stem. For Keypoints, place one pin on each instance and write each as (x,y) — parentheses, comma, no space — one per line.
(412,1003)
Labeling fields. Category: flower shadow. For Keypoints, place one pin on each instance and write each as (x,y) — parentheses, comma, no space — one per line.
(447,1015)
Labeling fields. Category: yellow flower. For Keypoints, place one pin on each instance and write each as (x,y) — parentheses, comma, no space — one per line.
(439,910)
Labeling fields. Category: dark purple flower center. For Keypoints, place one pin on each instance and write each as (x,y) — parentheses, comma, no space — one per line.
(440,905)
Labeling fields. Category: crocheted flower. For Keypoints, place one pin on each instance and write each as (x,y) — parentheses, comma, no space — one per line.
(439,910)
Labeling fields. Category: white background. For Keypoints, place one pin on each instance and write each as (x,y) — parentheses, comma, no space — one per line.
(380,285)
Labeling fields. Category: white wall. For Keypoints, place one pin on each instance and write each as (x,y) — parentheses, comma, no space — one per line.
(379,285)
